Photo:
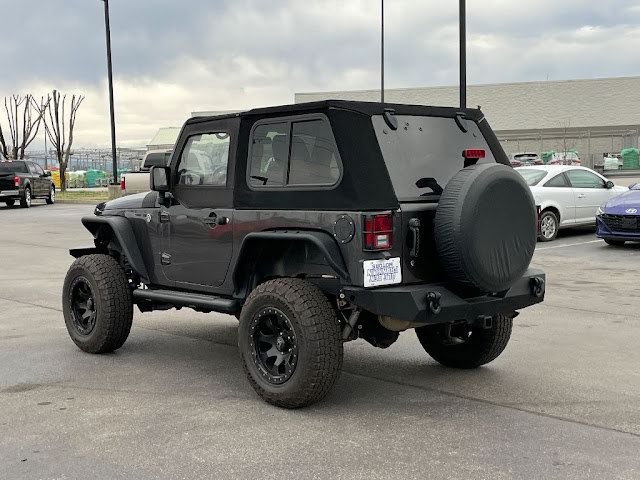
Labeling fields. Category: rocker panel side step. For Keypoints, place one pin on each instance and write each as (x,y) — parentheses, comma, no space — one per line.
(191,300)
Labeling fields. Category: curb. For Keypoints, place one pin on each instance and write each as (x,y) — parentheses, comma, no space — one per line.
(78,201)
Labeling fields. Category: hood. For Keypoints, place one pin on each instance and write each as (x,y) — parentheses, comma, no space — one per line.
(618,204)
(138,200)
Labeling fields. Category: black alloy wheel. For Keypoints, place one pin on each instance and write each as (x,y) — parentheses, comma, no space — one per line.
(97,303)
(274,346)
(83,306)
(290,342)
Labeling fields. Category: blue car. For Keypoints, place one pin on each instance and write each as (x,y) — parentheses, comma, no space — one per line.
(618,219)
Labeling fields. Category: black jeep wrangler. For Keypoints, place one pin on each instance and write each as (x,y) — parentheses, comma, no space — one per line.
(317,224)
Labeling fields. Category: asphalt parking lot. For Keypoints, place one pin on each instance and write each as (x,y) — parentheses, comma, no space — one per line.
(563,400)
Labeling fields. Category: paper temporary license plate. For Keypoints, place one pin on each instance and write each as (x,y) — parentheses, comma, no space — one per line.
(382,272)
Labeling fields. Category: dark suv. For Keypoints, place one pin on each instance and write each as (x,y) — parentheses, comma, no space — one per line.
(317,224)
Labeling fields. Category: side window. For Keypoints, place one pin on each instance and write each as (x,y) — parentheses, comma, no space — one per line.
(314,160)
(269,154)
(39,170)
(557,181)
(32,168)
(204,160)
(293,153)
(584,179)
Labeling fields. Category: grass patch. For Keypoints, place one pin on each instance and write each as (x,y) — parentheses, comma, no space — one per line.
(70,194)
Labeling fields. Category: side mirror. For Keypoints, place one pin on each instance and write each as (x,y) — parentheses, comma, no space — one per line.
(160,179)
(609,184)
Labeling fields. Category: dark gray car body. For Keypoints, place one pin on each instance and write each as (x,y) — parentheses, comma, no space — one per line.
(207,247)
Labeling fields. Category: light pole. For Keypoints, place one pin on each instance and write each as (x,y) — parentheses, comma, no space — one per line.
(110,73)
(463,55)
(382,51)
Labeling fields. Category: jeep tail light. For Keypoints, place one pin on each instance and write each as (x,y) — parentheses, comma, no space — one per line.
(473,153)
(16,181)
(122,183)
(538,213)
(377,232)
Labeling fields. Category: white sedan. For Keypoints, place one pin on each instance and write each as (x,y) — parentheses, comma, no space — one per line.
(568,196)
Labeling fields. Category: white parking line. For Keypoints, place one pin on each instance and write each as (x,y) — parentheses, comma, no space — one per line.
(569,245)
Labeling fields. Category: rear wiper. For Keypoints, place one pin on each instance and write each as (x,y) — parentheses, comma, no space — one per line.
(429,182)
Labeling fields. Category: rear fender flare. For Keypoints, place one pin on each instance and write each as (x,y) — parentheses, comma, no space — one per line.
(324,242)
(123,233)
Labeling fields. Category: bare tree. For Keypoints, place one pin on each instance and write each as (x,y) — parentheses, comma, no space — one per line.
(24,116)
(60,136)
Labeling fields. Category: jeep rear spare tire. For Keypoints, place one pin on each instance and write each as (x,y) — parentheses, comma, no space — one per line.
(290,343)
(485,227)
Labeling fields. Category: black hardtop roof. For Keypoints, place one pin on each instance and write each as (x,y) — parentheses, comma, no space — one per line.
(364,108)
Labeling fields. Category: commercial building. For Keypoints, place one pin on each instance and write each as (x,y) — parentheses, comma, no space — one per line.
(593,116)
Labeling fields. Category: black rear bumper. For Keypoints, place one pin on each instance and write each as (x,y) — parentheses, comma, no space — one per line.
(411,302)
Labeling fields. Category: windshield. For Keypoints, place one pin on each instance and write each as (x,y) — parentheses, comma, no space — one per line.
(16,167)
(424,153)
(531,175)
(635,186)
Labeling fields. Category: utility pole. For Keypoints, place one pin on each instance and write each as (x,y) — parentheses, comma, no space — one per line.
(463,54)
(382,52)
(110,73)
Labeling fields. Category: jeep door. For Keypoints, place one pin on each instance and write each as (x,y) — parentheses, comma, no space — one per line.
(200,237)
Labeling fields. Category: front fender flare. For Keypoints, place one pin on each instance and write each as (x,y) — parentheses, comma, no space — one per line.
(123,232)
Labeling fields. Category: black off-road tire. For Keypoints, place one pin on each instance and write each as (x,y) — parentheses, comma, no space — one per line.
(480,346)
(101,279)
(313,332)
(549,226)
(10,202)
(25,199)
(615,243)
(51,199)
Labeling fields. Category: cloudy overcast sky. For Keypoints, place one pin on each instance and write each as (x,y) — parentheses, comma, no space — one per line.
(171,58)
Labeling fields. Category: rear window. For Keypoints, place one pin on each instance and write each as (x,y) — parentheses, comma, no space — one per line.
(18,167)
(531,175)
(424,153)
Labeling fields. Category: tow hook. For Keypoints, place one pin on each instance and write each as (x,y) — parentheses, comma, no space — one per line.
(433,298)
(537,287)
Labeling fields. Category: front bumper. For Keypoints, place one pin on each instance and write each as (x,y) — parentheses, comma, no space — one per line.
(411,303)
(624,232)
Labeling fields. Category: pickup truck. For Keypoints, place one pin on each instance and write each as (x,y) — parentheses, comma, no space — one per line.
(23,180)
(138,182)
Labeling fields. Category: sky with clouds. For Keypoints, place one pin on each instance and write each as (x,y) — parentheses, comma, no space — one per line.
(171,58)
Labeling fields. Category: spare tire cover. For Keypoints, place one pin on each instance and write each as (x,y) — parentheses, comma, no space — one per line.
(485,227)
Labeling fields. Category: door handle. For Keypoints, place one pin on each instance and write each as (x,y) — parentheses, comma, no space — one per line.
(414,226)
(582,195)
(211,221)
(164,216)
